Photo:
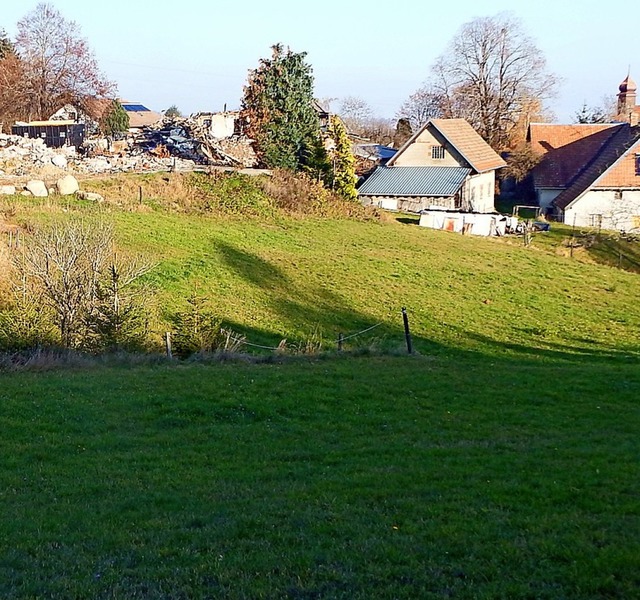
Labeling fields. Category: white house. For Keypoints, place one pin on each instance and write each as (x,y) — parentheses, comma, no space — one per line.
(589,174)
(445,164)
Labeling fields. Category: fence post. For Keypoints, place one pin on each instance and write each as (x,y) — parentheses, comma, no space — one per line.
(167,343)
(407,333)
(340,341)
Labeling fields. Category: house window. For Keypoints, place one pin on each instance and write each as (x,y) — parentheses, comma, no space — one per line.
(595,221)
(618,195)
(437,152)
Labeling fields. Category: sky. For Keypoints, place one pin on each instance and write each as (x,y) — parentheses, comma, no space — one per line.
(196,54)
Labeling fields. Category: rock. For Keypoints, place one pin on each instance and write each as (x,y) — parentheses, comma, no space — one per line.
(67,185)
(37,188)
(91,196)
(7,190)
(59,161)
(26,193)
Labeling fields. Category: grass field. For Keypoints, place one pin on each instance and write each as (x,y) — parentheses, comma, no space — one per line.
(499,461)
(343,478)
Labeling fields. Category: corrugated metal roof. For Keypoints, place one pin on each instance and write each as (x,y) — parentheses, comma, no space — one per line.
(414,181)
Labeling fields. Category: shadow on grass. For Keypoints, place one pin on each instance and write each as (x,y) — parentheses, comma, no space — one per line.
(327,314)
(316,306)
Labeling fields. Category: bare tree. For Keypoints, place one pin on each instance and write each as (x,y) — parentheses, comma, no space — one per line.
(491,74)
(422,105)
(63,263)
(355,112)
(58,63)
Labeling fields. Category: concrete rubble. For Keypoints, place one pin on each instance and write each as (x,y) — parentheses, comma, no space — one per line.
(179,144)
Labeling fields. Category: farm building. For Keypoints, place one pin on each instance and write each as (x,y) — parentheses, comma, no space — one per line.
(445,164)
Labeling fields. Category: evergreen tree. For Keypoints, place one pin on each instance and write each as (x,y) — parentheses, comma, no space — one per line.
(115,120)
(278,106)
(172,112)
(344,164)
(6,45)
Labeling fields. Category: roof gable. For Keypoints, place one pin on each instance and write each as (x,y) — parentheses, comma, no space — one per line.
(463,138)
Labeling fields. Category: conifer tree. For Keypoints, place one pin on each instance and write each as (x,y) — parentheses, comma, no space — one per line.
(344,173)
(115,120)
(279,108)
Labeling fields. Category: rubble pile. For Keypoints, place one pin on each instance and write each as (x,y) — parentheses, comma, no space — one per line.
(21,156)
(187,139)
(179,144)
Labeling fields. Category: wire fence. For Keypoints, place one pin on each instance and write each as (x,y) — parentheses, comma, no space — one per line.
(314,345)
(339,341)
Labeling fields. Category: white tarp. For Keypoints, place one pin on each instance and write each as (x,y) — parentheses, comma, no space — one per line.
(486,224)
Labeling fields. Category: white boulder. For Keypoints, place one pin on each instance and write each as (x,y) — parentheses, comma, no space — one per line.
(67,185)
(37,188)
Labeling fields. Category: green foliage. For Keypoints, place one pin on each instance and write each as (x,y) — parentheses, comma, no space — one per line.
(196,328)
(26,325)
(172,112)
(117,320)
(344,164)
(6,45)
(115,121)
(278,104)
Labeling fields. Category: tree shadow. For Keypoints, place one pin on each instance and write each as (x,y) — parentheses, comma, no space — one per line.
(317,310)
(310,308)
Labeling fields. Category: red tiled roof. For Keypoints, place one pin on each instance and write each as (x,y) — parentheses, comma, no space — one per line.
(565,150)
(615,166)
(468,142)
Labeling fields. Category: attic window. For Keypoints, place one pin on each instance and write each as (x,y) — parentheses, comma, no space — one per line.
(437,152)
(637,164)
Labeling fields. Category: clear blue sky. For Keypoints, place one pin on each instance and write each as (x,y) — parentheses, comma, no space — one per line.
(196,53)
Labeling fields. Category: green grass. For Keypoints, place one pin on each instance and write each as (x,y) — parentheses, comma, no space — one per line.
(281,277)
(499,462)
(344,478)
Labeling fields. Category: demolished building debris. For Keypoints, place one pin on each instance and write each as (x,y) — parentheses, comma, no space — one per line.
(179,144)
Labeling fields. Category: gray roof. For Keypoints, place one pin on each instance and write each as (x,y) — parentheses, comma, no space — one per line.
(414,181)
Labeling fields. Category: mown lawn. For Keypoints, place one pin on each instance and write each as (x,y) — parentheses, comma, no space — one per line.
(406,477)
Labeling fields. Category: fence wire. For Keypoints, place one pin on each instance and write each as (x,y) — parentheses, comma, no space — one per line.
(338,341)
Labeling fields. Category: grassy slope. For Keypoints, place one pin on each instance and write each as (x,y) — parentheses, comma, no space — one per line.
(286,279)
(500,463)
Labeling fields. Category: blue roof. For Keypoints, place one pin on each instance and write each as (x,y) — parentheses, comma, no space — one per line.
(135,108)
(378,151)
(441,182)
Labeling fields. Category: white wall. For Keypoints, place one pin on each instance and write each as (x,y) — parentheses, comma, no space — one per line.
(479,192)
(616,213)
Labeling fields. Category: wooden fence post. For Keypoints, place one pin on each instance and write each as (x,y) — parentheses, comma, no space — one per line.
(167,343)
(340,341)
(407,333)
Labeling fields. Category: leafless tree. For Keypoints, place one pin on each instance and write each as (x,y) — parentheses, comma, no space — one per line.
(355,112)
(491,74)
(58,63)
(422,105)
(63,263)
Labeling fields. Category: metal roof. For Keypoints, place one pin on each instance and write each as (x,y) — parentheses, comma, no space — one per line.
(135,107)
(414,181)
